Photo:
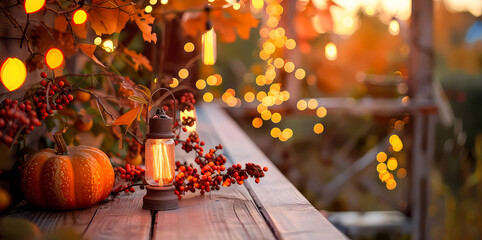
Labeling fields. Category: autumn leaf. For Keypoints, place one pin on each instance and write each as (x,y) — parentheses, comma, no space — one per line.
(89,50)
(138,59)
(143,21)
(62,25)
(128,117)
(107,17)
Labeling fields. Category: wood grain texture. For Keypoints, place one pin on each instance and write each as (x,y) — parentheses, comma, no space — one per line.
(121,218)
(288,212)
(226,214)
(52,220)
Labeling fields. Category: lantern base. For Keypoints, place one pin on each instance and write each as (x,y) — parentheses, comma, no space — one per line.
(160,198)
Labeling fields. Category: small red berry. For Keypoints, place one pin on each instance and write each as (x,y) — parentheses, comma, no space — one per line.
(43,75)
(265,169)
(43,83)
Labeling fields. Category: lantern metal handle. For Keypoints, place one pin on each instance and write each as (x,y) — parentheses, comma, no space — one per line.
(175,105)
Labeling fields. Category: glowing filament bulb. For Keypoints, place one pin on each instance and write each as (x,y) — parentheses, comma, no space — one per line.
(209,47)
(54,58)
(160,162)
(13,73)
(394,28)
(331,53)
(80,16)
(32,6)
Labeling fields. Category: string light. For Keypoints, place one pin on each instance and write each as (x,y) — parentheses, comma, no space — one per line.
(32,6)
(394,28)
(209,47)
(200,84)
(97,40)
(13,73)
(321,112)
(189,47)
(108,45)
(54,58)
(318,128)
(183,73)
(174,83)
(208,97)
(331,53)
(148,9)
(80,16)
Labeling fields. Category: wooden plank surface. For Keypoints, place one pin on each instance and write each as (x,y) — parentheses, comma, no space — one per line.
(121,218)
(288,212)
(229,213)
(52,220)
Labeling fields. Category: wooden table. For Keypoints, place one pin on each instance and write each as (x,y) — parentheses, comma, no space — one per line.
(272,209)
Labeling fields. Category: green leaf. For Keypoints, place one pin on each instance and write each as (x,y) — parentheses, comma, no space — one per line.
(145,91)
(138,100)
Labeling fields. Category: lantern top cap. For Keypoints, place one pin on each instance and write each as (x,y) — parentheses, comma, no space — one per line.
(160,126)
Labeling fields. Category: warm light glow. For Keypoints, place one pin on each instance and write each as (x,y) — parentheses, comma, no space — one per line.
(278,63)
(276,117)
(266,115)
(148,9)
(321,112)
(289,67)
(189,47)
(369,11)
(381,167)
(300,73)
(392,163)
(186,114)
(174,83)
(290,44)
(164,2)
(153,2)
(200,84)
(208,97)
(401,173)
(396,143)
(183,73)
(318,128)
(211,80)
(97,40)
(249,97)
(275,132)
(381,157)
(331,53)
(160,165)
(13,73)
(312,104)
(80,16)
(257,122)
(301,105)
(32,6)
(108,45)
(391,184)
(54,58)
(394,28)
(209,47)
(257,4)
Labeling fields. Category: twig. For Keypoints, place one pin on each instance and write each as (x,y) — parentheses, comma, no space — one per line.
(46,29)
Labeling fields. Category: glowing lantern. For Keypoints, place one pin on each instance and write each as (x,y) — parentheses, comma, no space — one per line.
(186,114)
(13,73)
(108,45)
(32,6)
(209,47)
(160,165)
(54,58)
(80,16)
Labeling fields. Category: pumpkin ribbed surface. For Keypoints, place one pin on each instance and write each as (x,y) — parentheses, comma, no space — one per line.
(79,179)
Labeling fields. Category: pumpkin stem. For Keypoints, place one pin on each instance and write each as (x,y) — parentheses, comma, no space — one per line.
(60,142)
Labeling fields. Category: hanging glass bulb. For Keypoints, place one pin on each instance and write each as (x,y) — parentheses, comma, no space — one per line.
(209,46)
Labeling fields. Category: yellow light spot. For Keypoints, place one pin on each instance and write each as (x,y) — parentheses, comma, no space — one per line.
(272,22)
(264,32)
(108,45)
(290,44)
(270,75)
(13,73)
(392,163)
(381,167)
(369,11)
(183,73)
(260,80)
(386,176)
(80,16)
(321,112)
(382,174)
(396,143)
(269,47)
(208,40)
(331,53)
(381,157)
(300,73)
(275,132)
(301,105)
(401,173)
(391,184)
(200,84)
(32,6)
(275,87)
(266,115)
(211,80)
(398,125)
(249,97)
(286,95)
(268,101)
(155,80)
(394,28)
(276,117)
(263,55)
(97,40)
(164,2)
(174,83)
(289,67)
(312,104)
(261,108)
(278,63)
(318,128)
(260,96)
(279,42)
(153,2)
(257,122)
(219,79)
(148,9)
(54,58)
(281,31)
(189,47)
(208,97)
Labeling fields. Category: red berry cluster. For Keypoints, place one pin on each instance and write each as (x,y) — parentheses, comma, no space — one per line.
(186,102)
(211,175)
(131,174)
(15,116)
(57,94)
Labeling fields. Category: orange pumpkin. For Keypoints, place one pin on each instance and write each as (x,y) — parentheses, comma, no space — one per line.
(69,178)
